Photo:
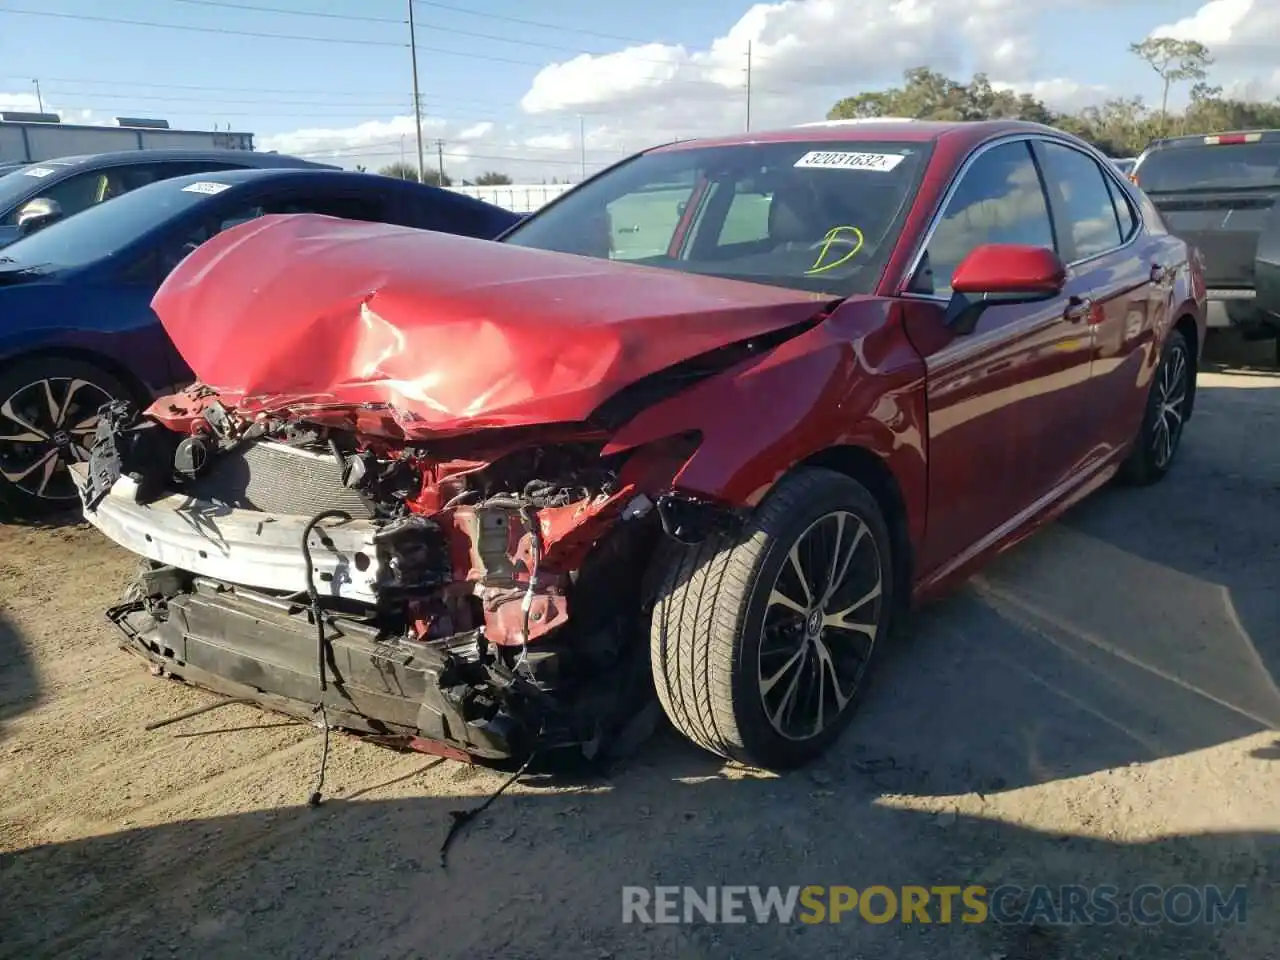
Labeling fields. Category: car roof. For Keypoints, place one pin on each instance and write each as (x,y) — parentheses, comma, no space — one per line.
(250,158)
(870,130)
(251,175)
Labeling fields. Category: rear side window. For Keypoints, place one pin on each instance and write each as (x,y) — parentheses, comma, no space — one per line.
(1124,210)
(348,208)
(1227,166)
(1085,199)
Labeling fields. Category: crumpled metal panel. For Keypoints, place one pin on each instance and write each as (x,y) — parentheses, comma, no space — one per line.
(450,332)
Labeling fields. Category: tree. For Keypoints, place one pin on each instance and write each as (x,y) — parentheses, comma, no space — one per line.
(1174,61)
(404,171)
(1120,127)
(929,95)
(492,179)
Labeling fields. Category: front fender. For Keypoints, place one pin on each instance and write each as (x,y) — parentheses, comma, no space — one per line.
(112,324)
(853,380)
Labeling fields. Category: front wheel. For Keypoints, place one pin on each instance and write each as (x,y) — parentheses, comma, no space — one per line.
(1168,404)
(48,415)
(759,644)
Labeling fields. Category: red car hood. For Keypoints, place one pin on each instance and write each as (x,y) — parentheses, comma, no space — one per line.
(450,332)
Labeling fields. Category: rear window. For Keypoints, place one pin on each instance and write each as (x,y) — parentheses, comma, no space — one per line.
(1211,167)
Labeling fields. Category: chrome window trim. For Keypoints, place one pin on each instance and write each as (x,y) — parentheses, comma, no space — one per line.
(977,152)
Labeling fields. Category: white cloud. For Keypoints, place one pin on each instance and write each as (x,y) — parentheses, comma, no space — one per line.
(797,45)
(1060,93)
(339,141)
(550,141)
(1244,38)
(25,102)
(476,131)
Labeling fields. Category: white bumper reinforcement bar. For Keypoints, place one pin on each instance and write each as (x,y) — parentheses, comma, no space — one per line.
(245,547)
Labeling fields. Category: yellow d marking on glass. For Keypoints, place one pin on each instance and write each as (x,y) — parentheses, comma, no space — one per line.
(834,234)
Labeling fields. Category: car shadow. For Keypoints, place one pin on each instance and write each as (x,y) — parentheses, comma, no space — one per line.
(19,684)
(1142,625)
(542,875)
(45,520)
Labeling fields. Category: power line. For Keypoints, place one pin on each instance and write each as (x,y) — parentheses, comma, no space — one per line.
(441,51)
(457,31)
(363,150)
(530,23)
(93,95)
(285,10)
(446,153)
(394,97)
(225,31)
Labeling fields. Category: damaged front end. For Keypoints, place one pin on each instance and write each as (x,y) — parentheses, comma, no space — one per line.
(481,595)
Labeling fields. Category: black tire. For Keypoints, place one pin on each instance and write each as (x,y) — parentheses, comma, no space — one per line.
(76,390)
(1168,405)
(707,638)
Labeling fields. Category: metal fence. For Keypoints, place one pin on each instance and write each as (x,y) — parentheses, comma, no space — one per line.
(517,197)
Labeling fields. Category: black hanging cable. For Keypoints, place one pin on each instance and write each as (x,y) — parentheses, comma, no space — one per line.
(322,641)
(462,817)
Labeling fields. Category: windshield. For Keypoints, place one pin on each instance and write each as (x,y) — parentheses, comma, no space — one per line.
(1211,167)
(813,215)
(106,228)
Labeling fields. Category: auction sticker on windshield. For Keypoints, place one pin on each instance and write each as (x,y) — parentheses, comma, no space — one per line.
(840,160)
(207,187)
(38,171)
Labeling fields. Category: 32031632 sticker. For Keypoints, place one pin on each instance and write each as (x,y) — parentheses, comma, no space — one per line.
(842,160)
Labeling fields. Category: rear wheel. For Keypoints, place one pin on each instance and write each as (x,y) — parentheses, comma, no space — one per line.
(48,415)
(1168,403)
(759,644)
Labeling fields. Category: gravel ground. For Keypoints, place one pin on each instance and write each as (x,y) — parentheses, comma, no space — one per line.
(1099,707)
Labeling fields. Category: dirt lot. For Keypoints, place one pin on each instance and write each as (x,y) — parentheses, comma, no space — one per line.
(1100,707)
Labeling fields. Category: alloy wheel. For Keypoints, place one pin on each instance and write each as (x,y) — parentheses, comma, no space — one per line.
(820,625)
(44,426)
(1171,402)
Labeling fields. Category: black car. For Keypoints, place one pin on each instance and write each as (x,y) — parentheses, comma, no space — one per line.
(67,185)
(1219,192)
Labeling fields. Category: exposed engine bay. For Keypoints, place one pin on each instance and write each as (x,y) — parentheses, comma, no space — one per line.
(482,595)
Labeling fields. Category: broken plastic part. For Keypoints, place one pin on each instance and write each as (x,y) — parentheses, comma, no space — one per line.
(690,520)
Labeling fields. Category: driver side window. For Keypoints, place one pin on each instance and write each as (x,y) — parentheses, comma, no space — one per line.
(178,251)
(999,200)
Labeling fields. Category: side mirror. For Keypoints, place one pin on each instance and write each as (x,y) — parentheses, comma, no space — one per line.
(37,214)
(1001,274)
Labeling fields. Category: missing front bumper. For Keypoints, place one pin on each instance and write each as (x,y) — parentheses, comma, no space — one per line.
(265,649)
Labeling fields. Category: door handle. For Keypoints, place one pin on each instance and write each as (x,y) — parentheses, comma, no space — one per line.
(1078,308)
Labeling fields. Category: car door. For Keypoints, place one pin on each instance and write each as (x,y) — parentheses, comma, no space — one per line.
(1115,277)
(1006,402)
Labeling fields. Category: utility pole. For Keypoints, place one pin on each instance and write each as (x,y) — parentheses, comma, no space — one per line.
(417,97)
(748,86)
(39,99)
(440,160)
(582,146)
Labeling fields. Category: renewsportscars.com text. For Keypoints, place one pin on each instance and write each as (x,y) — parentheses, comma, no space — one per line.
(1007,904)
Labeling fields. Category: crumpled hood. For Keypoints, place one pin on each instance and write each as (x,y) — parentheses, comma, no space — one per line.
(449,331)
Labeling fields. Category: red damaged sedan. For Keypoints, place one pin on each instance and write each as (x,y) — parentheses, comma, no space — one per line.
(708,424)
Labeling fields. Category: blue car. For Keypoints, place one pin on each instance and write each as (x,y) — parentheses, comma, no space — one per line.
(69,185)
(76,325)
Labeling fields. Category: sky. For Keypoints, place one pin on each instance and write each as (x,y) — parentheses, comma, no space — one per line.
(546,90)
